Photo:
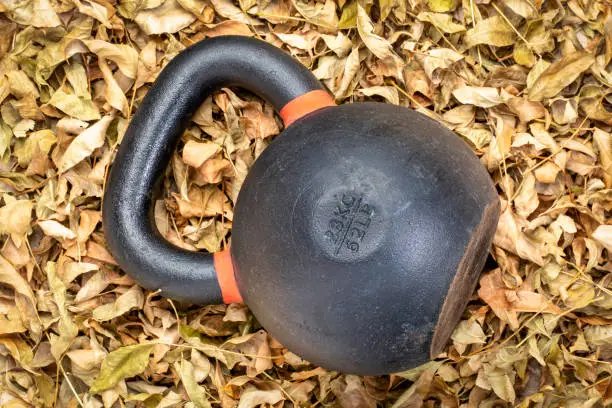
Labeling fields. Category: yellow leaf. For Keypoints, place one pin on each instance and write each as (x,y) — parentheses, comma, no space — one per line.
(443,6)
(41,140)
(559,75)
(80,108)
(351,67)
(84,144)
(348,19)
(523,8)
(603,142)
(112,92)
(469,332)
(523,55)
(227,9)
(37,13)
(600,337)
(322,15)
(526,200)
(340,44)
(375,43)
(20,85)
(10,276)
(492,31)
(55,53)
(500,382)
(98,11)
(15,218)
(122,363)
(385,7)
(125,56)
(443,21)
(67,329)
(195,392)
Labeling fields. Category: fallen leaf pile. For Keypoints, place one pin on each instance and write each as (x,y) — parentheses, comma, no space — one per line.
(526,83)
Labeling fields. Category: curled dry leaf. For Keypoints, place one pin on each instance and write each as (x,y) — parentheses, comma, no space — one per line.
(378,45)
(559,75)
(227,9)
(123,55)
(322,15)
(56,230)
(169,17)
(133,298)
(506,303)
(85,143)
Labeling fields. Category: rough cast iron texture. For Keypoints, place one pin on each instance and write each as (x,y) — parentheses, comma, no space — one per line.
(152,137)
(349,230)
(359,233)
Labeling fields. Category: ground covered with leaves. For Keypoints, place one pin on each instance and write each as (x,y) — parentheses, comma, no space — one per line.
(527,84)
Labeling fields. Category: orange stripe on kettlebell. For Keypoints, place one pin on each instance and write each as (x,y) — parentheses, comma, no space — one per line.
(226,278)
(304,104)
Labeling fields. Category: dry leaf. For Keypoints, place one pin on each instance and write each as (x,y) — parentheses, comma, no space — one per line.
(133,298)
(478,96)
(85,143)
(38,13)
(559,75)
(66,326)
(122,363)
(195,392)
(196,153)
(15,218)
(56,230)
(379,46)
(443,21)
(227,9)
(169,17)
(603,235)
(73,105)
(321,15)
(491,31)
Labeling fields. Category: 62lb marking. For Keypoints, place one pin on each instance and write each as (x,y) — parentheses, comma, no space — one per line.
(349,223)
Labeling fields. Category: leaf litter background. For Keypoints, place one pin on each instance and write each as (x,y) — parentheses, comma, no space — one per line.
(525,82)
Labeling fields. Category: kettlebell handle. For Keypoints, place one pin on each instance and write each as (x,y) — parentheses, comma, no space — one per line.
(151,138)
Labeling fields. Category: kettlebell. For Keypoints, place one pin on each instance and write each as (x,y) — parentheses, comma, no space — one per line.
(358,235)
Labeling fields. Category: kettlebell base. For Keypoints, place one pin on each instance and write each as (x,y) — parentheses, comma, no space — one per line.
(466,279)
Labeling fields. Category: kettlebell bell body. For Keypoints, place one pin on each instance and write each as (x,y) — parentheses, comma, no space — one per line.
(358,235)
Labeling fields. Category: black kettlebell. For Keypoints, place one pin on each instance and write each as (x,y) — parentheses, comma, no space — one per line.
(358,235)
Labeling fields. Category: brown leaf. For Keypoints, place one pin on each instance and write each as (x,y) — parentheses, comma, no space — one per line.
(559,75)
(196,153)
